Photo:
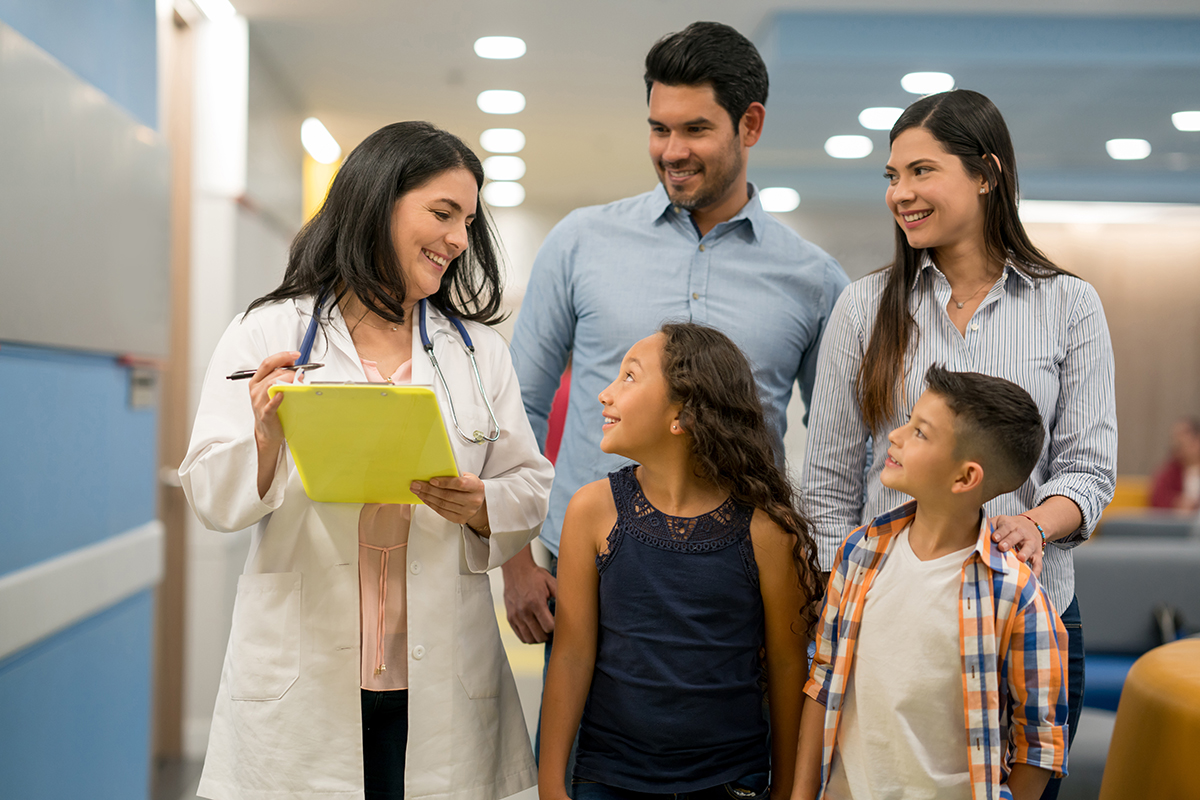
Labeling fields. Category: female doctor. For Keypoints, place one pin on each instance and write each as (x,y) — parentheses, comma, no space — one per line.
(364,658)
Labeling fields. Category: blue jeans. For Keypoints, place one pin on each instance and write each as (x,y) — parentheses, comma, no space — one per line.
(1072,621)
(750,787)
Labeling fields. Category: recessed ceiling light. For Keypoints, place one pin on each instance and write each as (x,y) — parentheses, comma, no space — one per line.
(500,101)
(216,9)
(499,47)
(853,146)
(779,199)
(504,168)
(879,118)
(1186,120)
(502,140)
(503,194)
(319,142)
(1127,149)
(927,82)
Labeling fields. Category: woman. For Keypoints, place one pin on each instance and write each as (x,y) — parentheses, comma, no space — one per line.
(969,290)
(327,638)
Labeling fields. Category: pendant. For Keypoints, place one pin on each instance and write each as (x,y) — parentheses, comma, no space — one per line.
(960,305)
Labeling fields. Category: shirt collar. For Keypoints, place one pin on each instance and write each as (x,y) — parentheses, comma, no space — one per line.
(1009,267)
(661,208)
(892,522)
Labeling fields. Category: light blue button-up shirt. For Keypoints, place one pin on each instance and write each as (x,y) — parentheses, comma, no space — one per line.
(608,276)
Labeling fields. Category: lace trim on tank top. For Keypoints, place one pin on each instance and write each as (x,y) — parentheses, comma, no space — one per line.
(727,524)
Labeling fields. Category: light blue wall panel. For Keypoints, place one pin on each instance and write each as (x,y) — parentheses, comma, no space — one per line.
(111,44)
(75,710)
(78,463)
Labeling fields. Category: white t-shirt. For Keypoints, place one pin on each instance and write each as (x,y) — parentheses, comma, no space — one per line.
(902,734)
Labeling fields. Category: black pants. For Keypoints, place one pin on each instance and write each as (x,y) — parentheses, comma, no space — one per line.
(385,736)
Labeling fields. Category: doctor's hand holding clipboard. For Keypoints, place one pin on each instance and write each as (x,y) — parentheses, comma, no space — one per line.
(343,608)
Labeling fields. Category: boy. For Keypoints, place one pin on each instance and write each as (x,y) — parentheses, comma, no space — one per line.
(939,668)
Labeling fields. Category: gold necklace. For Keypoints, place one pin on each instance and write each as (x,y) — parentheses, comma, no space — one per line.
(973,296)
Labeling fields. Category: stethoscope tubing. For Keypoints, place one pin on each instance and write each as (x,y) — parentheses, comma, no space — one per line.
(478,437)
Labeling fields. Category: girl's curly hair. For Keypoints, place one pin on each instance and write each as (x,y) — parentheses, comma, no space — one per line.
(710,378)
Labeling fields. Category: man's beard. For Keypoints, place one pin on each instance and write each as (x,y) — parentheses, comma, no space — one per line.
(714,185)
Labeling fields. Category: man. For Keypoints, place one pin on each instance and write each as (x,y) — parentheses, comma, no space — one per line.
(699,247)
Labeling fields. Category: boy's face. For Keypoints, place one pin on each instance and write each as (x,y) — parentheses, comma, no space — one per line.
(921,461)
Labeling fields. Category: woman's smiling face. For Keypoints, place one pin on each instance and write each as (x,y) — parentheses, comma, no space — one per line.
(932,197)
(429,230)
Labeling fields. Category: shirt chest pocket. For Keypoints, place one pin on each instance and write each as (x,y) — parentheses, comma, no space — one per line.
(264,643)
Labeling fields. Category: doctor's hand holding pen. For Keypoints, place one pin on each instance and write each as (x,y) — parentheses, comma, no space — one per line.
(268,431)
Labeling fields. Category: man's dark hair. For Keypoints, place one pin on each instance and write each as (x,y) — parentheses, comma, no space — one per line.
(714,54)
(996,423)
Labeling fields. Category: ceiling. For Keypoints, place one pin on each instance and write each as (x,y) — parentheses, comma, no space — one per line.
(1068,74)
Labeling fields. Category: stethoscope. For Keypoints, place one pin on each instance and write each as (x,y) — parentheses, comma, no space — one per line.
(479,437)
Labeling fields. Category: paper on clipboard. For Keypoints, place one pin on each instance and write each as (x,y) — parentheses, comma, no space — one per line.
(364,442)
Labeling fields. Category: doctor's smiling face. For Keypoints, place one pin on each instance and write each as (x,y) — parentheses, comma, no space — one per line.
(429,230)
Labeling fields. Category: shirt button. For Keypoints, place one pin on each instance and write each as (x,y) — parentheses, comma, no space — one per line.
(974,326)
(415,568)
(701,248)
(695,295)
(418,653)
(677,209)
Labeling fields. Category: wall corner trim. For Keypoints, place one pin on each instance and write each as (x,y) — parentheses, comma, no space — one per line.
(47,597)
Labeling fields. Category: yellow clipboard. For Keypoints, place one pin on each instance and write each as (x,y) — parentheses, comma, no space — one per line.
(364,443)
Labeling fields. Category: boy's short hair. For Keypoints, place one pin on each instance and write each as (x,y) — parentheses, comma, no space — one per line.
(996,423)
(715,54)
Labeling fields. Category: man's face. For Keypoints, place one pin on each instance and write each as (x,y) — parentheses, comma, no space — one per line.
(695,147)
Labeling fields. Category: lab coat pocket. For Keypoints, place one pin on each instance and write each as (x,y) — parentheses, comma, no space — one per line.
(264,644)
(478,650)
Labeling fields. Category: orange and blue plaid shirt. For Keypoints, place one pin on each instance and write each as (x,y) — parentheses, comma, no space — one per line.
(1013,645)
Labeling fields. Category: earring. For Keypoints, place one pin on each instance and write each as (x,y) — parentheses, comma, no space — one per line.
(674,427)
(983,190)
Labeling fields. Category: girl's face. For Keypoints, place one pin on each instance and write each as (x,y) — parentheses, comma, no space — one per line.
(932,197)
(637,414)
(429,230)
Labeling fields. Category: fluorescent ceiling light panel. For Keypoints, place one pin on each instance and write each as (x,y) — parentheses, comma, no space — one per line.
(319,143)
(504,168)
(879,118)
(853,146)
(502,140)
(1127,149)
(1186,120)
(500,101)
(779,199)
(927,82)
(499,47)
(216,9)
(503,194)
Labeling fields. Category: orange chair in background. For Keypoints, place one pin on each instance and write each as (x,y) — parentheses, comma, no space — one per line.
(1155,746)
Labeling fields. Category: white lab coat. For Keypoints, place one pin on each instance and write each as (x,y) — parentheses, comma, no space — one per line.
(287,722)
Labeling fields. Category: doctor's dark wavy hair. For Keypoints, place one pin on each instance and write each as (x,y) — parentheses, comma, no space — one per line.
(347,246)
(710,378)
(968,125)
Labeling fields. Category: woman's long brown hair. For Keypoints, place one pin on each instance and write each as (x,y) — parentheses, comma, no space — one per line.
(967,125)
(710,378)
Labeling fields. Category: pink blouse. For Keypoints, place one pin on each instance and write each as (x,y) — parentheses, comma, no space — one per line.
(383,606)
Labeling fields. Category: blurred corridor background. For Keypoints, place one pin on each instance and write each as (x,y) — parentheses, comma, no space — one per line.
(153,174)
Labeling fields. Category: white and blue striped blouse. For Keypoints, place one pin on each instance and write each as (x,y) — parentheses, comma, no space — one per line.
(1047,335)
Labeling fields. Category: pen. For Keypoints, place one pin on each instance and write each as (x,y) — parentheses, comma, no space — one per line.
(241,375)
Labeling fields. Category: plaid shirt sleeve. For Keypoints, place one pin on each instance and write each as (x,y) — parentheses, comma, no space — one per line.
(1036,669)
(821,674)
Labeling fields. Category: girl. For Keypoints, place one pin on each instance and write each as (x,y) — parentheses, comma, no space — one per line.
(675,574)
(365,654)
(968,289)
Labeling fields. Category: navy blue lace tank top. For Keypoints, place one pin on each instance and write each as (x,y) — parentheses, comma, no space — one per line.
(675,703)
